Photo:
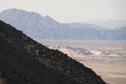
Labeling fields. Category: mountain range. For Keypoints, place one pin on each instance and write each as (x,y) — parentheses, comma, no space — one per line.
(25,61)
(111,24)
(44,27)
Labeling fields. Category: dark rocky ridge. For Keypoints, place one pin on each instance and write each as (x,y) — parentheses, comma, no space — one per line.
(24,61)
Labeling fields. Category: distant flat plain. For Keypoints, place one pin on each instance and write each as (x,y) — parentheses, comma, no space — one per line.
(112,69)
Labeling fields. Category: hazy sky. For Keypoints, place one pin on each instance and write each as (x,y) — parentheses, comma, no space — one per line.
(72,10)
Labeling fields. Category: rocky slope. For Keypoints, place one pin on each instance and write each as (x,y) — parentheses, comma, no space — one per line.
(44,27)
(23,60)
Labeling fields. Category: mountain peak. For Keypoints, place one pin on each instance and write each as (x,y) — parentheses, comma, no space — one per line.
(49,22)
(48,18)
(18,14)
(14,10)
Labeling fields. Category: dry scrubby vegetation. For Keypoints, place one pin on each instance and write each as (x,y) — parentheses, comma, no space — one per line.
(2,81)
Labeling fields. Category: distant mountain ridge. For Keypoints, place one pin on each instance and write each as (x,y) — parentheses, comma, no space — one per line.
(39,27)
(111,24)
(72,52)
(81,52)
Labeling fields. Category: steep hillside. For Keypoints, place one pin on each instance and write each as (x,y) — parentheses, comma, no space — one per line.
(23,60)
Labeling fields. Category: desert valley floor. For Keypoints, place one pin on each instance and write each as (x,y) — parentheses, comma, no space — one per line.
(106,58)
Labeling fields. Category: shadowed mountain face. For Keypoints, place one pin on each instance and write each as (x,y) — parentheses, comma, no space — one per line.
(39,27)
(24,61)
